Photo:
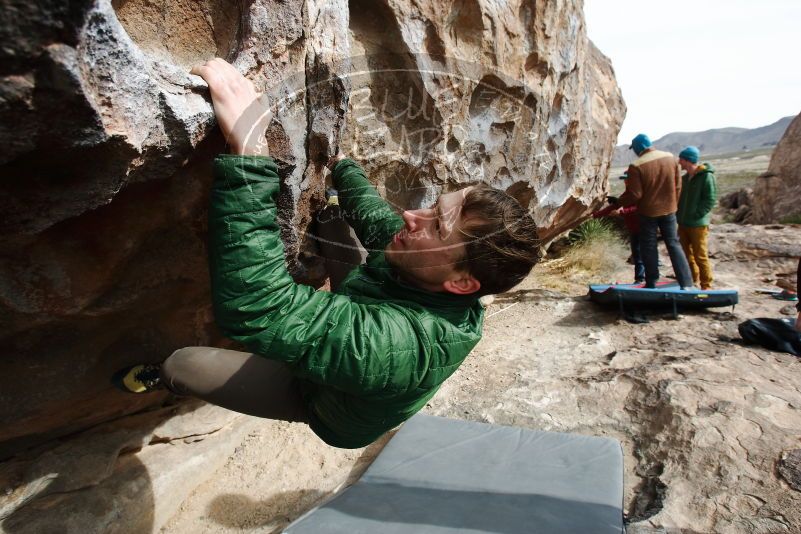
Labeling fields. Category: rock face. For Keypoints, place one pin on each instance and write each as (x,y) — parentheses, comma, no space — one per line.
(129,475)
(777,193)
(107,144)
(738,205)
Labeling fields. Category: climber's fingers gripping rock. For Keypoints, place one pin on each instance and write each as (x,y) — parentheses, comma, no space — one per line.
(242,112)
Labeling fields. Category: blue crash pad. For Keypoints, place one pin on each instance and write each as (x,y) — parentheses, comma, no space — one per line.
(665,294)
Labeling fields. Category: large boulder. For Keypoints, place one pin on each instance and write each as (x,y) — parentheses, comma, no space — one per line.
(107,144)
(777,192)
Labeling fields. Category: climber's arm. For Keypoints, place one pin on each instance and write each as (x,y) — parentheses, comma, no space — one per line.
(372,218)
(242,113)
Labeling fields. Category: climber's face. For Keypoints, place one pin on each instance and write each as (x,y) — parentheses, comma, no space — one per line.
(427,251)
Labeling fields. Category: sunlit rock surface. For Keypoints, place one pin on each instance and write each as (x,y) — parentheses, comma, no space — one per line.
(777,193)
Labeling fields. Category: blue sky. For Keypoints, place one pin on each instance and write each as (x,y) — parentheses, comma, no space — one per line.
(694,65)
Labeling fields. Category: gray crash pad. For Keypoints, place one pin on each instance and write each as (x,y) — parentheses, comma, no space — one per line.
(441,475)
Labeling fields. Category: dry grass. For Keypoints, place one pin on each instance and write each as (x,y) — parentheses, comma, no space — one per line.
(595,260)
(599,257)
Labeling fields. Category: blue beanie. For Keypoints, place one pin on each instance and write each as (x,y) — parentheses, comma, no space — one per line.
(640,143)
(691,154)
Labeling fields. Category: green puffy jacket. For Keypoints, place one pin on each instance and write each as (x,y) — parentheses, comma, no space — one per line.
(698,197)
(367,357)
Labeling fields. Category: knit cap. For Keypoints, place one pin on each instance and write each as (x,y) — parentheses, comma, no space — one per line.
(640,143)
(691,154)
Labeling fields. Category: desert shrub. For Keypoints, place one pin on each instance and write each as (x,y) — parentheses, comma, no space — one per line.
(595,251)
(597,248)
(592,230)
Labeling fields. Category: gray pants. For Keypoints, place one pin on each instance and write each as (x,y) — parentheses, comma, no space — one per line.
(249,383)
(238,381)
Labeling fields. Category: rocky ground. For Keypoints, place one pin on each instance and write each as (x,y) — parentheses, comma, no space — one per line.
(704,421)
(711,429)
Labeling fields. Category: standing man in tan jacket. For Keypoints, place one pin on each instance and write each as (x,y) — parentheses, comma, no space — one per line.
(654,185)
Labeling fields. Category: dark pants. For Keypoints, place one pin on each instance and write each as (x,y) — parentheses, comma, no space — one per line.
(636,257)
(249,383)
(666,224)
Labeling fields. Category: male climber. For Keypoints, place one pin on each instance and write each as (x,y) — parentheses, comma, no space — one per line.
(355,363)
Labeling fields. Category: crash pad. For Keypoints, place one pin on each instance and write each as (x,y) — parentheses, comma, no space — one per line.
(440,475)
(665,294)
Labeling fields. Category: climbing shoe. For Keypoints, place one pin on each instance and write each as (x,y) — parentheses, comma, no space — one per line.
(142,378)
(331,197)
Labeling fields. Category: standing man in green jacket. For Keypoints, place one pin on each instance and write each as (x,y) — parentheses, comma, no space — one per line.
(698,196)
(355,363)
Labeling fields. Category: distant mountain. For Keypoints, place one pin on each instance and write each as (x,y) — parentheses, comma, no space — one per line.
(711,142)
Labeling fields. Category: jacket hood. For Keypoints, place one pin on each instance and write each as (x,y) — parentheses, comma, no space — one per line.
(705,167)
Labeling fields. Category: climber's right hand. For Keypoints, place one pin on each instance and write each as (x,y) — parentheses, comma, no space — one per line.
(242,112)
(333,160)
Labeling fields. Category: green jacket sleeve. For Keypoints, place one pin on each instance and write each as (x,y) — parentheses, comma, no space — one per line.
(709,195)
(371,217)
(327,338)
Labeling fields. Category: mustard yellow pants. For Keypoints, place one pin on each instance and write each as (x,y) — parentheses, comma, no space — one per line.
(694,242)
